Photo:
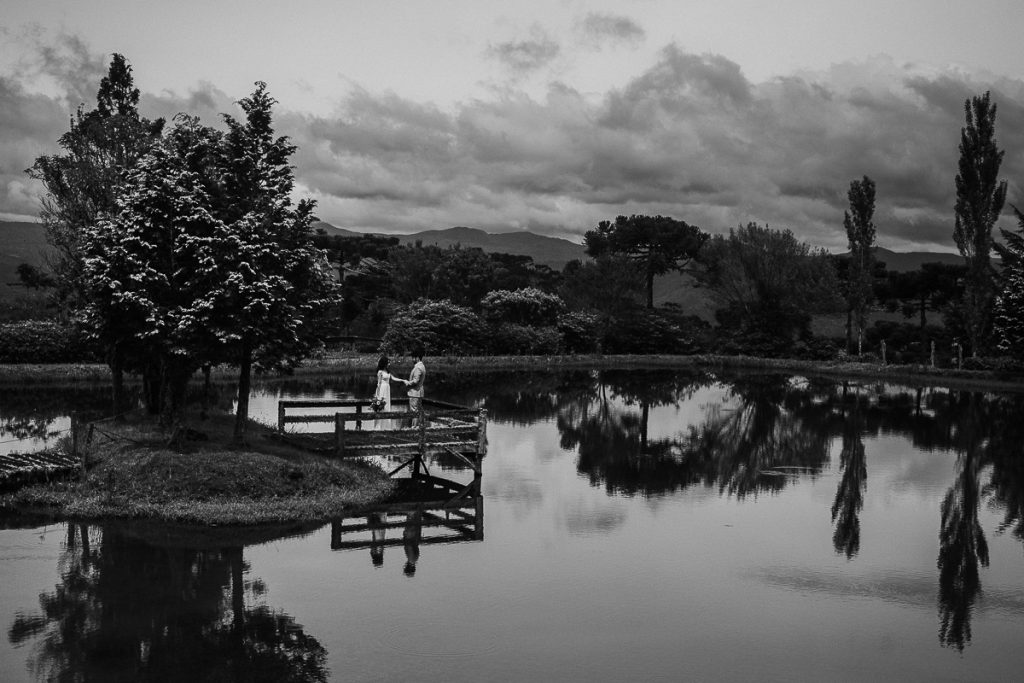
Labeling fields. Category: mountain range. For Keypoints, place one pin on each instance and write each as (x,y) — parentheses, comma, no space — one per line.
(23,242)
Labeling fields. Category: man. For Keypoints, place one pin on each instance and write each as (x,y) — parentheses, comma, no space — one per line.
(416,379)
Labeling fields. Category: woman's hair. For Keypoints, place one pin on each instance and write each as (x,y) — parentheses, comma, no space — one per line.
(382,364)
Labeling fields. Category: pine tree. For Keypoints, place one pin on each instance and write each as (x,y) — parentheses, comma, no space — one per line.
(860,231)
(980,196)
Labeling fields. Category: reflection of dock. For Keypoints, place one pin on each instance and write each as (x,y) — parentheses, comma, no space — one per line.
(437,519)
(22,468)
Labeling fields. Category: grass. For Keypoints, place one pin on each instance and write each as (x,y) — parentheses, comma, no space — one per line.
(133,474)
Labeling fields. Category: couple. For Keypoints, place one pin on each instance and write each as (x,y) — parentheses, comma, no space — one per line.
(415,384)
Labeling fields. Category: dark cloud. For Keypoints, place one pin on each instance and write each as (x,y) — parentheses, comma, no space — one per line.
(689,137)
(597,30)
(526,56)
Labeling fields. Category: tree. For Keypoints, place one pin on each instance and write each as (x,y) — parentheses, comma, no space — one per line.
(464,276)
(980,196)
(32,277)
(1009,307)
(769,282)
(273,282)
(860,231)
(148,267)
(658,243)
(82,183)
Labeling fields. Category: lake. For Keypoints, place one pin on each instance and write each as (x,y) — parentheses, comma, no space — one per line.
(636,525)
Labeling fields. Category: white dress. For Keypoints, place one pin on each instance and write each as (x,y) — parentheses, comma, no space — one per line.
(383,391)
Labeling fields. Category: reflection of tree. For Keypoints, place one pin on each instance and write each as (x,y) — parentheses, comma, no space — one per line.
(28,413)
(128,610)
(852,484)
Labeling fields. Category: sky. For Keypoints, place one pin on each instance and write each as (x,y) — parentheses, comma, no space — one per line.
(553,115)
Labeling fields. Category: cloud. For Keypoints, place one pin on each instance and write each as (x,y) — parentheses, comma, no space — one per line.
(523,57)
(598,31)
(689,136)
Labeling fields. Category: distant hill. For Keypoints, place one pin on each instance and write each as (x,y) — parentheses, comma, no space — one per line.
(550,251)
(904,261)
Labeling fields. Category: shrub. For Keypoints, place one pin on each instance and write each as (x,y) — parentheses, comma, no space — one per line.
(526,306)
(580,332)
(441,326)
(38,341)
(643,331)
(510,338)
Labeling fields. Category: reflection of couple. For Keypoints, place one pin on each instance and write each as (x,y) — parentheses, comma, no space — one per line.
(414,384)
(411,535)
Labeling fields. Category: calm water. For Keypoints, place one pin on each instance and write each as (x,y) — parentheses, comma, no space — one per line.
(637,525)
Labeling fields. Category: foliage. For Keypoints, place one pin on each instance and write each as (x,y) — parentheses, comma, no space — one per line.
(907,343)
(657,244)
(980,196)
(441,326)
(81,184)
(606,286)
(860,232)
(580,332)
(933,287)
(768,282)
(527,306)
(1009,307)
(206,260)
(34,278)
(643,331)
(517,339)
(38,341)
(464,276)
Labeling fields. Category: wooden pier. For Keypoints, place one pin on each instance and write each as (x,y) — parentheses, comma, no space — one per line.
(437,428)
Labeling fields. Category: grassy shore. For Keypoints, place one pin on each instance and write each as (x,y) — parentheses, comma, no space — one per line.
(134,474)
(335,362)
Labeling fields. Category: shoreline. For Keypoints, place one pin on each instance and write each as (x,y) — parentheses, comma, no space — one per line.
(97,373)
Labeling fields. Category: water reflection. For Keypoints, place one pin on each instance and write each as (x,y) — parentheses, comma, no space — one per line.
(136,606)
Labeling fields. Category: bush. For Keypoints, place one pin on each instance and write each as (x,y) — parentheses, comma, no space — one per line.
(38,341)
(527,306)
(441,326)
(644,331)
(513,339)
(580,332)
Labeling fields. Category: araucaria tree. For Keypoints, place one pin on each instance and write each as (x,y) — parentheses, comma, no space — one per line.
(860,231)
(980,196)
(657,244)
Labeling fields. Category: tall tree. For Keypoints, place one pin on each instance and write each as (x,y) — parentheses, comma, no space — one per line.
(1009,308)
(657,243)
(81,185)
(275,282)
(980,196)
(860,232)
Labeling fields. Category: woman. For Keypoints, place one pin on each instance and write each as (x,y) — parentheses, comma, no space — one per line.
(383,392)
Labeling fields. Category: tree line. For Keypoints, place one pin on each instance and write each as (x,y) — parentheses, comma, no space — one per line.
(178,246)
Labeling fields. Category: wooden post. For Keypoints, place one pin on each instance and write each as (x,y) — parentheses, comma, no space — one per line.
(339,433)
(959,356)
(933,353)
(280,416)
(74,434)
(883,352)
(359,413)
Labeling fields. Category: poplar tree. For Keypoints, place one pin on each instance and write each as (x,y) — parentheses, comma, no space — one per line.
(980,196)
(860,231)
